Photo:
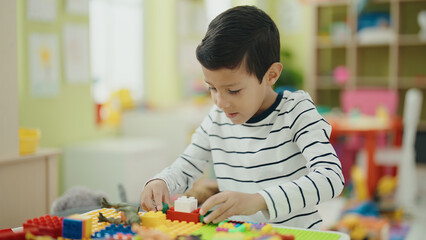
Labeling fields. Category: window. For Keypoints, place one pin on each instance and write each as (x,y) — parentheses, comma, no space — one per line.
(116,44)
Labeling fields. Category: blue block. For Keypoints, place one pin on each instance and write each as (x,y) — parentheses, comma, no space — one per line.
(72,228)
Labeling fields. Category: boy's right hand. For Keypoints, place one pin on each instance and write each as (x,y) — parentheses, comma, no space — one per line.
(154,194)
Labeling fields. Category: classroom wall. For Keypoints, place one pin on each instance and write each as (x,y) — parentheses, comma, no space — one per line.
(70,116)
(293,18)
(8,83)
(163,85)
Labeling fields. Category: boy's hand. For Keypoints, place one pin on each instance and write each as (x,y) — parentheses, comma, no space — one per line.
(154,194)
(232,203)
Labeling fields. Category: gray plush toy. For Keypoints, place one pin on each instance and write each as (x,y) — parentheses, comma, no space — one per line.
(77,200)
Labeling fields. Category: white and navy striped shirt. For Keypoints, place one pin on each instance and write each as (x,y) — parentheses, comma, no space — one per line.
(284,154)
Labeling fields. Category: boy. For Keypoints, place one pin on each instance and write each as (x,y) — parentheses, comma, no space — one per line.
(271,152)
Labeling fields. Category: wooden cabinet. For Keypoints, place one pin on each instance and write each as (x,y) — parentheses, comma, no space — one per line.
(28,186)
(390,56)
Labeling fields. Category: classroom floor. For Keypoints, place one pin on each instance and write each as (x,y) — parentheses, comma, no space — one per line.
(330,211)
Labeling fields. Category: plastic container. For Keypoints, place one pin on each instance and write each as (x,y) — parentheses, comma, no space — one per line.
(29,139)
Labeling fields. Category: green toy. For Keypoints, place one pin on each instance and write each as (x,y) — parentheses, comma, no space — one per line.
(129,213)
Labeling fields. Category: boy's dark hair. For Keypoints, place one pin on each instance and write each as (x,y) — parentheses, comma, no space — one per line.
(241,35)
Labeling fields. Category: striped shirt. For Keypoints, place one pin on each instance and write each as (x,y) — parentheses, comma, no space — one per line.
(284,154)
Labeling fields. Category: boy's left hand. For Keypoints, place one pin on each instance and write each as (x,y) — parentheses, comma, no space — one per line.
(232,203)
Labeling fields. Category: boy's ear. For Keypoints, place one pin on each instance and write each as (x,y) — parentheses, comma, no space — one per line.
(273,73)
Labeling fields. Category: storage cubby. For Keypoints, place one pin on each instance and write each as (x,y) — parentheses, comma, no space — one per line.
(380,46)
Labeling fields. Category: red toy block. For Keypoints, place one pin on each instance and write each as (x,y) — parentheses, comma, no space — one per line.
(194,216)
(44,226)
(10,235)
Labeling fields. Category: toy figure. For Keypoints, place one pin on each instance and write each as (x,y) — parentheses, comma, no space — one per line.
(129,213)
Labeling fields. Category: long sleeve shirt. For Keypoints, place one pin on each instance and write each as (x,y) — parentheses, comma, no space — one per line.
(284,154)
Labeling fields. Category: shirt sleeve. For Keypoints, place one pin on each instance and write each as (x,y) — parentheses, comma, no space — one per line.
(190,166)
(325,179)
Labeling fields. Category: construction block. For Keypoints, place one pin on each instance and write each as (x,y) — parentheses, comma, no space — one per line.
(165,208)
(10,235)
(44,226)
(194,216)
(185,204)
(175,228)
(77,227)
(153,219)
(115,230)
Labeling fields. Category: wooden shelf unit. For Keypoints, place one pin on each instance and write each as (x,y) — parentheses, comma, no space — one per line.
(397,61)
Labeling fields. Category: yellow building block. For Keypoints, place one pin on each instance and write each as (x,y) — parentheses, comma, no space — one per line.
(153,219)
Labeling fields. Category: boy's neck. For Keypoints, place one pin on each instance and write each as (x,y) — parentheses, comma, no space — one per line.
(272,102)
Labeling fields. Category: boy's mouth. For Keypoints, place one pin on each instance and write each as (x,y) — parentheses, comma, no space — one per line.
(231,115)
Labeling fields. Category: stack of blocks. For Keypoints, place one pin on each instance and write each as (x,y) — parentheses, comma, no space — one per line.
(185,209)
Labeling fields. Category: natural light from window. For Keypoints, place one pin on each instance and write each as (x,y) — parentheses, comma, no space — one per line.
(116,44)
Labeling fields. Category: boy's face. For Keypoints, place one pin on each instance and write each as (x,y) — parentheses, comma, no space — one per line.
(239,94)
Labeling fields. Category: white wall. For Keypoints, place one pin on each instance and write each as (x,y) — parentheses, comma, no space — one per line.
(9,145)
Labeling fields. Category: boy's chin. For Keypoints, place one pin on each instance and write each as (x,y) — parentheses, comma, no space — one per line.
(238,121)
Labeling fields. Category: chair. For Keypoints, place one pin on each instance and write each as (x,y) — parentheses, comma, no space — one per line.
(403,157)
(368,100)
(364,101)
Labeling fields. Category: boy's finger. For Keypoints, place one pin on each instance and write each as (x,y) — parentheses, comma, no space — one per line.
(210,203)
(157,203)
(217,214)
(166,198)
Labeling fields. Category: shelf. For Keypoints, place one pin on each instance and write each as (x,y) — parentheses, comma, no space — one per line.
(393,57)
(409,82)
(324,42)
(411,40)
(327,82)
(335,3)
(376,44)
(408,1)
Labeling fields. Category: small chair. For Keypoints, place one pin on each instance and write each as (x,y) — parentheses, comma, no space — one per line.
(403,157)
(368,100)
(365,101)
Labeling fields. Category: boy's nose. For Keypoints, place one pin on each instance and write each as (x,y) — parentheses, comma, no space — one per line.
(221,101)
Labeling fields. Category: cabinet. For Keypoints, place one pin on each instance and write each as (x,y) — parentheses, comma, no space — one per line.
(378,45)
(28,186)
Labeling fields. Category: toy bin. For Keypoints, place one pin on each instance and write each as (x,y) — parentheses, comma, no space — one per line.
(29,139)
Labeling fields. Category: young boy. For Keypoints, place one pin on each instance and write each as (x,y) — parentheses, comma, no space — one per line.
(271,152)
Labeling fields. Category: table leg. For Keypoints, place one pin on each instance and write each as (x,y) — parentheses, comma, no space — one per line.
(372,168)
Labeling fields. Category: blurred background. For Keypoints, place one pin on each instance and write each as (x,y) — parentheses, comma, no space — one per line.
(103,94)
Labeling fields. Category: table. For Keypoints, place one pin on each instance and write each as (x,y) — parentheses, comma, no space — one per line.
(369,127)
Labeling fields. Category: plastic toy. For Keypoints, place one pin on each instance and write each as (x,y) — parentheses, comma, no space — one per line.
(129,213)
(113,230)
(193,216)
(184,204)
(153,219)
(45,226)
(8,234)
(77,227)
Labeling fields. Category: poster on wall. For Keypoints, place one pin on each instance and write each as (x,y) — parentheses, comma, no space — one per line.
(42,10)
(76,53)
(44,65)
(290,18)
(78,7)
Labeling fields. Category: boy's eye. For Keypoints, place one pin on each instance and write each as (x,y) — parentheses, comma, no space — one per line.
(234,92)
(212,89)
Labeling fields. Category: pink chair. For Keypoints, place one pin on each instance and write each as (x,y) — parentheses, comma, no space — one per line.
(365,101)
(368,100)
